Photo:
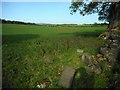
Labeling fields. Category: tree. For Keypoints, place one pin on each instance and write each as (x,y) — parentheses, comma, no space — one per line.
(107,11)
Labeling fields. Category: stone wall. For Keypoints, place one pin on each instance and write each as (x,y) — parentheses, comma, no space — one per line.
(109,53)
(95,65)
(112,55)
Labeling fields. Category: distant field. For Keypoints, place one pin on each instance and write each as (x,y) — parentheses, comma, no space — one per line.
(32,54)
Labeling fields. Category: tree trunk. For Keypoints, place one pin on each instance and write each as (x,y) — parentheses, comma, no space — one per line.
(114,15)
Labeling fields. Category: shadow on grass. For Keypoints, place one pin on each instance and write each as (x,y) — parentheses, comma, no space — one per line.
(95,33)
(85,80)
(17,38)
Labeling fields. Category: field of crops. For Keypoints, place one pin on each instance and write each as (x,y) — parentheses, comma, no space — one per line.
(33,54)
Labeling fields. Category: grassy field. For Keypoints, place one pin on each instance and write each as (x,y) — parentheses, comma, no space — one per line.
(33,54)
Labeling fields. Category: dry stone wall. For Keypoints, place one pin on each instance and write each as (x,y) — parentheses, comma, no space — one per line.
(109,53)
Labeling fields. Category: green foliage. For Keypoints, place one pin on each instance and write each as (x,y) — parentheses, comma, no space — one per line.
(102,8)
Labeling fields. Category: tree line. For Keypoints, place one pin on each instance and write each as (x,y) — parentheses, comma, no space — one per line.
(3,21)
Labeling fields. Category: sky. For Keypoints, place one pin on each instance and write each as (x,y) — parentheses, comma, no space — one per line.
(44,12)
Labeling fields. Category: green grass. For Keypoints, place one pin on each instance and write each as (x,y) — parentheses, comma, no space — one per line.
(33,53)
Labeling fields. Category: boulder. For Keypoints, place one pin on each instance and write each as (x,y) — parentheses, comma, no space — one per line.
(98,71)
(114,36)
(99,55)
(89,69)
(67,77)
(87,59)
(103,50)
(101,59)
(114,52)
(80,51)
(43,83)
(113,30)
(112,55)
(48,61)
(93,69)
(114,45)
(109,41)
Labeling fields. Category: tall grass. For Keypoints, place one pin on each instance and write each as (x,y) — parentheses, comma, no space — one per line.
(33,53)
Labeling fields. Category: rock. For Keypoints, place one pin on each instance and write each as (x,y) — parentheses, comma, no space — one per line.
(87,59)
(114,45)
(111,59)
(104,58)
(44,83)
(94,58)
(114,52)
(99,55)
(116,41)
(93,69)
(103,50)
(67,77)
(109,41)
(101,59)
(98,70)
(113,30)
(107,45)
(41,86)
(112,55)
(38,86)
(105,38)
(80,51)
(114,36)
(89,69)
(48,61)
